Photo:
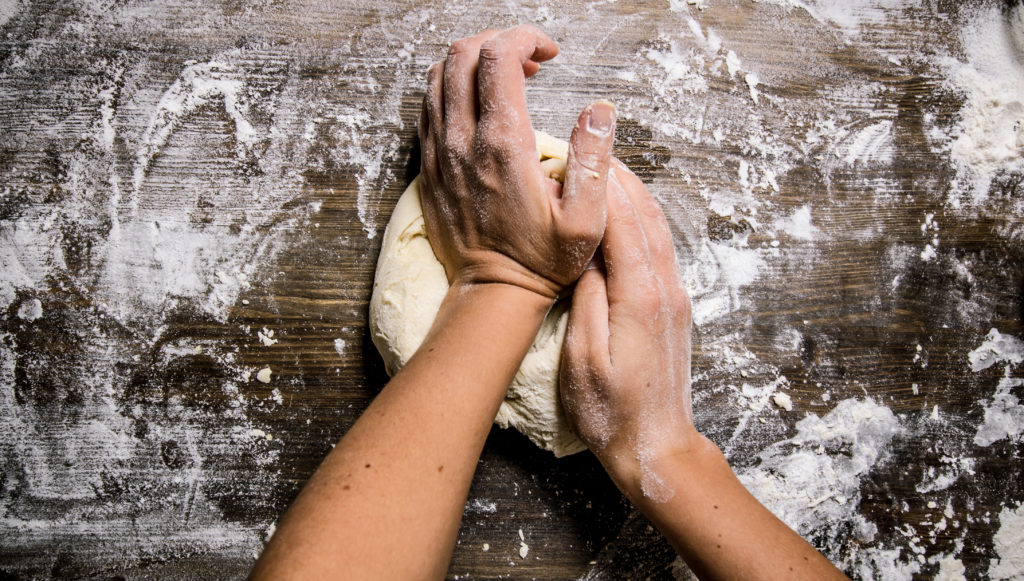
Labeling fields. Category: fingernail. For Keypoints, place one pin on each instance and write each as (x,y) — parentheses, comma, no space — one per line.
(601,120)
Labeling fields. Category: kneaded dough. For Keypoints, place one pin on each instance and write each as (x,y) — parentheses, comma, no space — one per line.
(407,292)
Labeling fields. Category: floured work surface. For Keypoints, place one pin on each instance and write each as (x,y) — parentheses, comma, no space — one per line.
(191,208)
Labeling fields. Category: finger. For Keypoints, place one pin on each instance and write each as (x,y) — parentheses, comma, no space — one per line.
(582,206)
(434,98)
(430,115)
(624,246)
(656,231)
(503,70)
(586,338)
(428,154)
(460,96)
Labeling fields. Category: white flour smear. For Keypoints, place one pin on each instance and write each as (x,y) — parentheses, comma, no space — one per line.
(1004,414)
(990,140)
(1009,545)
(849,17)
(812,480)
(997,348)
(110,437)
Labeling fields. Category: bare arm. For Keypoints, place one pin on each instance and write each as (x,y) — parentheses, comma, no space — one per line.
(625,384)
(387,501)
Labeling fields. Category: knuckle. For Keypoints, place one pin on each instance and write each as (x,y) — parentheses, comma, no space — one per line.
(460,47)
(494,49)
(591,162)
(456,146)
(648,297)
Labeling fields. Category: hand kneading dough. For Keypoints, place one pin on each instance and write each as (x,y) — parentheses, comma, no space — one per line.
(407,292)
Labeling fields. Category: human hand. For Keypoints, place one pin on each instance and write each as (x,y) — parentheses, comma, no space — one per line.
(625,373)
(491,214)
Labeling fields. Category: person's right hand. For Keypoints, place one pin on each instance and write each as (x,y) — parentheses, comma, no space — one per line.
(625,373)
(492,216)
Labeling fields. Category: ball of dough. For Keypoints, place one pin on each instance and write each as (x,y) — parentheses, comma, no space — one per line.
(407,292)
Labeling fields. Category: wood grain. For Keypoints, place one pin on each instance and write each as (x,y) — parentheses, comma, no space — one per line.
(138,434)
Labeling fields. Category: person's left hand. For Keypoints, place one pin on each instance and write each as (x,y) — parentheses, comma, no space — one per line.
(491,214)
(624,379)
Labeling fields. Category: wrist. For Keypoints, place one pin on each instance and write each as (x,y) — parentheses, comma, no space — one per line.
(649,476)
(500,297)
(493,267)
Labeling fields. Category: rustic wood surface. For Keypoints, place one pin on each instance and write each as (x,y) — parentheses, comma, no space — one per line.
(178,177)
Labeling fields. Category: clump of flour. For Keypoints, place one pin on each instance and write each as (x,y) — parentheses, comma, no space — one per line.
(812,480)
(1004,414)
(996,348)
(1009,545)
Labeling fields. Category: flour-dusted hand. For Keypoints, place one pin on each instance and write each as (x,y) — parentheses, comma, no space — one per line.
(625,375)
(491,214)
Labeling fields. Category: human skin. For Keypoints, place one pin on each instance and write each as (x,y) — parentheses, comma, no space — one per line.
(625,386)
(387,501)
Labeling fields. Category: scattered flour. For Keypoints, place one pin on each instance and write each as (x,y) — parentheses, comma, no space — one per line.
(991,138)
(885,564)
(29,249)
(941,478)
(266,336)
(479,505)
(142,233)
(1009,545)
(752,81)
(850,17)
(198,85)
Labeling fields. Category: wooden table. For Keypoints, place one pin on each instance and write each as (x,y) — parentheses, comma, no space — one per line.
(180,178)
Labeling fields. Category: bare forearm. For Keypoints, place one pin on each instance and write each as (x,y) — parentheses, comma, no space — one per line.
(718,527)
(387,501)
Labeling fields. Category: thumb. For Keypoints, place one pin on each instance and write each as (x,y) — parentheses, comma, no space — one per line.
(586,173)
(587,335)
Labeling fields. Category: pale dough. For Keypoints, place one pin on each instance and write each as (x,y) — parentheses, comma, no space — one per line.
(407,292)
